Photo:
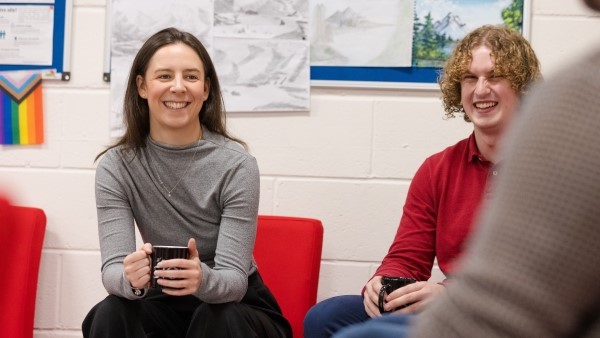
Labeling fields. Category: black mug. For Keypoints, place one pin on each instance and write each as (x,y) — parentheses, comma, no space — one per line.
(389,284)
(163,253)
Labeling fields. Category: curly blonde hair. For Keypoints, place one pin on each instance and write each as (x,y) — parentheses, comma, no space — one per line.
(514,59)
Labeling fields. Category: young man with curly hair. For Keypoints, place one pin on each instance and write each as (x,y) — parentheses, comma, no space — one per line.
(485,78)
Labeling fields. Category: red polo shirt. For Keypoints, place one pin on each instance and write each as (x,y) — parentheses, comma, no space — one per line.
(437,218)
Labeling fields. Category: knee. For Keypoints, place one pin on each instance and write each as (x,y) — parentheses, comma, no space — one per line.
(328,316)
(108,311)
(318,316)
(388,326)
(219,320)
(314,316)
(215,310)
(330,308)
(218,314)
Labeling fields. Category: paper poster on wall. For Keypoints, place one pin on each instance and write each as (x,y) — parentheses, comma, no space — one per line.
(36,35)
(261,54)
(440,24)
(260,49)
(437,26)
(131,24)
(376,33)
(26,34)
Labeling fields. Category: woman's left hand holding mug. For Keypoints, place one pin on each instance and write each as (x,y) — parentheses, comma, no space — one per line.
(136,267)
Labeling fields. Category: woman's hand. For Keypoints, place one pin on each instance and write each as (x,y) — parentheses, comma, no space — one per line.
(418,295)
(371,297)
(137,267)
(186,278)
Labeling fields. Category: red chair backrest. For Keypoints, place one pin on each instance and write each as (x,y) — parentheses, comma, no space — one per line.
(22,232)
(288,255)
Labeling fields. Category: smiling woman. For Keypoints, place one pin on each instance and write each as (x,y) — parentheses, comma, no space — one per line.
(183,180)
(176,88)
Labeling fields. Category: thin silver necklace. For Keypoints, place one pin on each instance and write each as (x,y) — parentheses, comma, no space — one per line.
(169,191)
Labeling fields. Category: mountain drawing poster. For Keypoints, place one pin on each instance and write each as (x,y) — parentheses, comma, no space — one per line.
(261,53)
(400,33)
(439,24)
(375,33)
(259,48)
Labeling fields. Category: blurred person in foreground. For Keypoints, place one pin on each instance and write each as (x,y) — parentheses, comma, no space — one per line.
(534,265)
(489,71)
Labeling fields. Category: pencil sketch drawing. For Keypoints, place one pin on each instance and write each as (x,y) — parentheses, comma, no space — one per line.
(269,19)
(262,54)
(252,70)
(260,48)
(361,33)
(132,24)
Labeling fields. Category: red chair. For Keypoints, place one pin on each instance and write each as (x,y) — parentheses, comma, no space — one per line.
(22,232)
(288,255)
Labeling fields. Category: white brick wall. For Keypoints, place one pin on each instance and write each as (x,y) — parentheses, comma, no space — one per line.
(347,162)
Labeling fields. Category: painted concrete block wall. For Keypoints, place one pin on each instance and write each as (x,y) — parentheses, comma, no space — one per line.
(348,161)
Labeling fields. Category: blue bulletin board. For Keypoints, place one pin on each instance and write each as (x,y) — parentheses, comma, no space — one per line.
(413,77)
(61,39)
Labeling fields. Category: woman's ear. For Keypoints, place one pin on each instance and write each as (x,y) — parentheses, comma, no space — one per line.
(141,86)
(206,88)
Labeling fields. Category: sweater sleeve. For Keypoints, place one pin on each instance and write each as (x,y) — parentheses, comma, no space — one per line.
(227,281)
(116,227)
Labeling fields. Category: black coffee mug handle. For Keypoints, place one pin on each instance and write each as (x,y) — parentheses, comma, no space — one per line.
(382,291)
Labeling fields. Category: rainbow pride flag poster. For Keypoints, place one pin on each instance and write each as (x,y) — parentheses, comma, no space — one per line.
(21,108)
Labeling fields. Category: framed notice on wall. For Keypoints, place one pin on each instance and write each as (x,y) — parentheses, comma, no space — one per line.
(35,36)
(397,43)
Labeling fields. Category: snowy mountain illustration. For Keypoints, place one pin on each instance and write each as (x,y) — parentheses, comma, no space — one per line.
(335,33)
(452,26)
(349,18)
(265,7)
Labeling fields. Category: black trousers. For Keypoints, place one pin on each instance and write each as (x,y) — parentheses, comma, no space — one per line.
(162,316)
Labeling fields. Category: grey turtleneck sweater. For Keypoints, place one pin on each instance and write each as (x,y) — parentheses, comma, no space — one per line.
(214,199)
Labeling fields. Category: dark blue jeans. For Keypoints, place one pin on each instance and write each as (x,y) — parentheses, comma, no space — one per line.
(345,317)
(331,315)
(387,326)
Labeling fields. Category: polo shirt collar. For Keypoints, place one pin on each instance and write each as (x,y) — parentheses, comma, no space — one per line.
(473,152)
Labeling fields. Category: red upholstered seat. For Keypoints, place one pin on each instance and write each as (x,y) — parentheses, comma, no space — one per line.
(21,237)
(288,255)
